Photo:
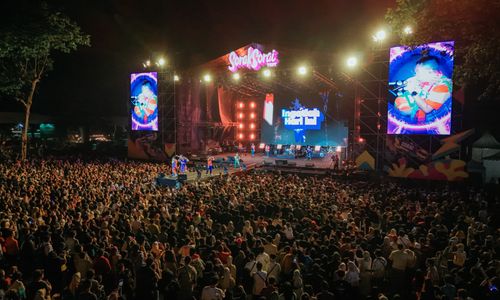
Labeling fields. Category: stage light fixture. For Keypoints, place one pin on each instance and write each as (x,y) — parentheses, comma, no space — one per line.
(266,73)
(148,63)
(252,116)
(161,62)
(236,76)
(379,36)
(241,136)
(252,136)
(352,62)
(262,146)
(176,78)
(240,126)
(302,70)
(361,140)
(241,105)
(252,104)
(408,30)
(207,78)
(240,115)
(252,126)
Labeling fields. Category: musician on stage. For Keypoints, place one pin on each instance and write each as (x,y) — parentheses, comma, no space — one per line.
(252,149)
(174,165)
(236,161)
(210,164)
(183,163)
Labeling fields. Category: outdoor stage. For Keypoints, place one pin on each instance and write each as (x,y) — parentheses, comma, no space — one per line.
(315,166)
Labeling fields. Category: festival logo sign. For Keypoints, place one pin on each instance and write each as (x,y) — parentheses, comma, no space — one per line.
(254,59)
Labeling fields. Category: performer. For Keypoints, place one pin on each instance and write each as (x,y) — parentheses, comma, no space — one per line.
(210,166)
(236,160)
(174,165)
(183,162)
(309,153)
(252,149)
(267,149)
(146,103)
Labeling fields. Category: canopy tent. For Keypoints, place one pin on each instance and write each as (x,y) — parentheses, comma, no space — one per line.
(487,145)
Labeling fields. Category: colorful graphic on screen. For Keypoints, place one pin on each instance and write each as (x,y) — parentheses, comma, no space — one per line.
(300,122)
(420,89)
(144,100)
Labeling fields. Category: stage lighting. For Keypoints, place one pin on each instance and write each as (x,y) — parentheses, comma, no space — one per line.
(236,76)
(148,63)
(408,30)
(252,104)
(262,146)
(240,115)
(352,62)
(207,78)
(240,136)
(252,116)
(241,105)
(266,73)
(339,149)
(240,126)
(161,62)
(361,140)
(176,78)
(279,146)
(252,136)
(379,35)
(252,126)
(302,70)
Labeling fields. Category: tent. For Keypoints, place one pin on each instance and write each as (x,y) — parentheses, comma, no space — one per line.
(485,146)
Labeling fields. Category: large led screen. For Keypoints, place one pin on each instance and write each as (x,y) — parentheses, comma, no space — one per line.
(290,120)
(144,100)
(420,89)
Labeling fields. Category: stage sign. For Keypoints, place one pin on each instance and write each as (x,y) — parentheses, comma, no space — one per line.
(420,89)
(144,100)
(254,59)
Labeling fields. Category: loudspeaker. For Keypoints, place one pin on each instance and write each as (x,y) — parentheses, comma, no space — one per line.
(166,182)
(182,177)
(281,162)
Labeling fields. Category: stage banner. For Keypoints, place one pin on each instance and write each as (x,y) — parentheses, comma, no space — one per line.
(145,146)
(225,99)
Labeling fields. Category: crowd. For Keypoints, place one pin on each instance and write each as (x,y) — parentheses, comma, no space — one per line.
(104,230)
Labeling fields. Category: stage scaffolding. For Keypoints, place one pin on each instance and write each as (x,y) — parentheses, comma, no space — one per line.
(167,107)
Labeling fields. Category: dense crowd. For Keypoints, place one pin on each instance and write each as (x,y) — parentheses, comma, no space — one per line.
(104,230)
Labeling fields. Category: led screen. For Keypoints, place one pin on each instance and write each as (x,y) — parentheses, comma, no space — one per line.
(144,100)
(290,120)
(420,89)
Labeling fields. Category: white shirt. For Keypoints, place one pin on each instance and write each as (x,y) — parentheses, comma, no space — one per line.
(212,293)
(264,259)
(259,282)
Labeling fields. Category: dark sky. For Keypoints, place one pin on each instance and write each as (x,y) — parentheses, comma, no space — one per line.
(123,33)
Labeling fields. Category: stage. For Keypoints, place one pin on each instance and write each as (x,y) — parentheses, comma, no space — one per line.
(224,165)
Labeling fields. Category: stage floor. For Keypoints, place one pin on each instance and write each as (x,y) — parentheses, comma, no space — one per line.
(300,165)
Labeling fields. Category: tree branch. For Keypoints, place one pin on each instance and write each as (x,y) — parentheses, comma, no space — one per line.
(22,101)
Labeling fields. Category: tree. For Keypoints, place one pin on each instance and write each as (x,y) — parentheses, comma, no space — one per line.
(30,35)
(472,24)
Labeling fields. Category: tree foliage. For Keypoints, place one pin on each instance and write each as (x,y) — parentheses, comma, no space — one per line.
(30,34)
(472,24)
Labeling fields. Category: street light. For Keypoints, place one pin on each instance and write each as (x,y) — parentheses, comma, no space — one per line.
(408,30)
(266,73)
(236,76)
(161,62)
(207,78)
(176,78)
(380,35)
(302,70)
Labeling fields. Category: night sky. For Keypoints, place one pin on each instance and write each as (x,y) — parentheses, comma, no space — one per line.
(94,81)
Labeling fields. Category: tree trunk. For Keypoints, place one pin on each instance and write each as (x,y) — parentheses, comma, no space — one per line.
(27,111)
(24,137)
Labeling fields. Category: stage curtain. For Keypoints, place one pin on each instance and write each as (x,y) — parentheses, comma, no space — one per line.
(225,101)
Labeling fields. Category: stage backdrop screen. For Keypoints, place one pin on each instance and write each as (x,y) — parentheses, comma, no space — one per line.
(420,89)
(309,120)
(144,101)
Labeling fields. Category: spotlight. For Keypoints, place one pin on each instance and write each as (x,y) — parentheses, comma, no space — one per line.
(266,73)
(252,126)
(240,105)
(240,115)
(176,78)
(352,62)
(408,30)
(148,63)
(252,116)
(252,104)
(207,78)
(302,70)
(361,140)
(379,35)
(252,136)
(240,135)
(240,126)
(236,76)
(161,62)
(262,146)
